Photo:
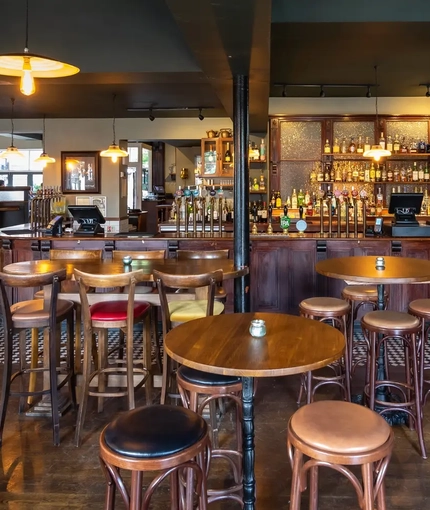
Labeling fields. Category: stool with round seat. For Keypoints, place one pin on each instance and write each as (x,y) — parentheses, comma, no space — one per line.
(164,438)
(333,311)
(421,308)
(359,296)
(381,328)
(339,434)
(200,390)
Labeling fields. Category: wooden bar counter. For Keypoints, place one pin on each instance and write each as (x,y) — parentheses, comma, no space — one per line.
(282,268)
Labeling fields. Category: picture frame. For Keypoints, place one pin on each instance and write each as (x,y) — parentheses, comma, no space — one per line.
(80,172)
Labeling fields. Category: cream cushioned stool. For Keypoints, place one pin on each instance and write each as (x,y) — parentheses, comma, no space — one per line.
(332,311)
(359,296)
(382,328)
(421,309)
(338,434)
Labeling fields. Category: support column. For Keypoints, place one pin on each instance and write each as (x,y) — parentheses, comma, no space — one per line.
(241,190)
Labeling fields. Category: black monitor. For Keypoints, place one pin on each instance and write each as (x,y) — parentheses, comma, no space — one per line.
(405,206)
(89,217)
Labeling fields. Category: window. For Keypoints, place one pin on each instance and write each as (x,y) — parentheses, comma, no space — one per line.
(23,171)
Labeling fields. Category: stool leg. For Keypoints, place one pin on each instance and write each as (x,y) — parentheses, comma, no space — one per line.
(174,490)
(368,497)
(7,374)
(296,493)
(33,362)
(136,490)
(102,358)
(313,488)
(418,398)
(147,358)
(53,381)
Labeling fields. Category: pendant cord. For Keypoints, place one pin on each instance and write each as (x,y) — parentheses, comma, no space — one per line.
(11,119)
(376,98)
(113,122)
(26,27)
(43,136)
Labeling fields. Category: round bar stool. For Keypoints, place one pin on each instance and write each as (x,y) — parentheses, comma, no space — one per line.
(421,309)
(333,311)
(359,296)
(338,434)
(381,328)
(201,390)
(156,438)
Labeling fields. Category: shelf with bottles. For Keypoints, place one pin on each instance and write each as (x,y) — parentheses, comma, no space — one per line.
(217,157)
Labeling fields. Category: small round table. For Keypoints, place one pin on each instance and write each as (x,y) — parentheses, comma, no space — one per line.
(222,344)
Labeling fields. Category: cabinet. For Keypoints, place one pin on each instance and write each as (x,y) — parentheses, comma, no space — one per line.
(217,158)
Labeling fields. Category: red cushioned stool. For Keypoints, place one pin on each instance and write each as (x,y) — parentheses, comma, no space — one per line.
(98,318)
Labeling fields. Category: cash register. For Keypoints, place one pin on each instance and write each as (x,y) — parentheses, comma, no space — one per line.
(405,207)
(89,218)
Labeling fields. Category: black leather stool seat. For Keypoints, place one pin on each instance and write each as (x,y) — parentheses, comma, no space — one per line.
(154,431)
(205,378)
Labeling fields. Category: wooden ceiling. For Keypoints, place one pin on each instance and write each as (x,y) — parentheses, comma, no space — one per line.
(177,56)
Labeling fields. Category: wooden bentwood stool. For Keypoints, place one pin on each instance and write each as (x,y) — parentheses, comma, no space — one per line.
(381,328)
(200,390)
(421,309)
(338,434)
(359,297)
(332,311)
(156,438)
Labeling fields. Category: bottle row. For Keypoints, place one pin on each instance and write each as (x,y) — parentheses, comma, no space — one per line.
(360,171)
(396,146)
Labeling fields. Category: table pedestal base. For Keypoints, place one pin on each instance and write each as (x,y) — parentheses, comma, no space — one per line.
(248,443)
(391,417)
(43,407)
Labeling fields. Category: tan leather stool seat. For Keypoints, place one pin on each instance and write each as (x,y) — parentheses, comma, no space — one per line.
(384,319)
(324,304)
(32,311)
(367,292)
(342,427)
(421,306)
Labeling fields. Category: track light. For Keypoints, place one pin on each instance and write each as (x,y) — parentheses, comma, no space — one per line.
(151,117)
(201,117)
(368,93)
(322,92)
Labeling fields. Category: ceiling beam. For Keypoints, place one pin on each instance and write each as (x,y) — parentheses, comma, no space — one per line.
(229,38)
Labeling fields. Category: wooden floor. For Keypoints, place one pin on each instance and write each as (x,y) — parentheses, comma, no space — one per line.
(37,475)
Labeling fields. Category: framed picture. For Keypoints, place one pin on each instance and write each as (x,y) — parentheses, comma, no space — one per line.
(80,172)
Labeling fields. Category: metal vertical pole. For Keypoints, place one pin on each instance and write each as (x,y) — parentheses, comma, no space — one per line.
(241,189)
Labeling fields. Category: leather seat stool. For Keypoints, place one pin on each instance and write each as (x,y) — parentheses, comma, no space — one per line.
(201,390)
(339,434)
(333,311)
(421,309)
(160,438)
(381,328)
(359,296)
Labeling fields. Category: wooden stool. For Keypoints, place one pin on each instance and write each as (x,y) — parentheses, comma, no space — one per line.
(48,314)
(339,434)
(359,296)
(200,390)
(421,309)
(155,438)
(336,312)
(380,328)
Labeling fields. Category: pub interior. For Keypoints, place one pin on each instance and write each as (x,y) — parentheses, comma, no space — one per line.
(247,134)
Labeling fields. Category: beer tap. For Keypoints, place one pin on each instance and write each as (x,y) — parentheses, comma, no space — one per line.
(269,226)
(203,202)
(178,201)
(347,217)
(195,208)
(255,219)
(364,200)
(339,217)
(187,213)
(220,215)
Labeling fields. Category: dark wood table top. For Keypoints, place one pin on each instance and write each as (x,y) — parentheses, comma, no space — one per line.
(171,266)
(362,269)
(222,344)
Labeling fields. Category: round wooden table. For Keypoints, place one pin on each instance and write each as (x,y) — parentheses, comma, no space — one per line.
(222,344)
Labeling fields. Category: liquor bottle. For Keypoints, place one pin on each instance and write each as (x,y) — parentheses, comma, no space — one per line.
(409,174)
(262,150)
(361,173)
(396,174)
(415,173)
(379,202)
(301,198)
(278,201)
(384,174)
(327,171)
(349,173)
(413,147)
(372,173)
(313,175)
(367,173)
(307,197)
(355,173)
(426,173)
(366,144)
(403,174)
(294,199)
(260,211)
(382,140)
(343,147)
(336,147)
(262,184)
(327,147)
(421,146)
(390,143)
(390,174)
(227,154)
(360,148)
(396,145)
(421,173)
(378,173)
(352,147)
(264,213)
(332,173)
(425,203)
(403,146)
(338,173)
(273,200)
(320,174)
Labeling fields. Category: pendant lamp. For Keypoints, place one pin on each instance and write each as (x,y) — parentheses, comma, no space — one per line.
(44,158)
(376,151)
(114,151)
(11,152)
(29,66)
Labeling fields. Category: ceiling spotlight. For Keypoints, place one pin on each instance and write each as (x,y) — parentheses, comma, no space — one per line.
(428,91)
(151,117)
(201,117)
(322,92)
(284,91)
(368,93)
